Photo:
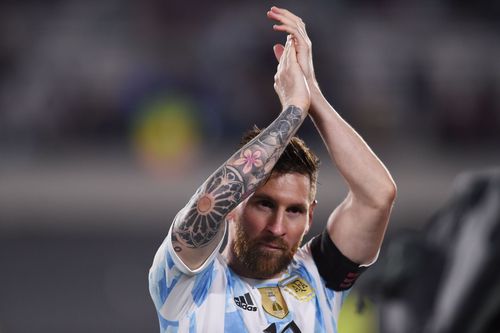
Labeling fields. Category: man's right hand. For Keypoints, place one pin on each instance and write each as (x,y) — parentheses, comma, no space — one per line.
(289,81)
(293,25)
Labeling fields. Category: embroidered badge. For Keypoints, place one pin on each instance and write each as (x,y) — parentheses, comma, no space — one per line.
(299,288)
(273,302)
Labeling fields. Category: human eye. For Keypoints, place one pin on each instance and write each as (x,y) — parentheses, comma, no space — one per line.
(296,210)
(265,204)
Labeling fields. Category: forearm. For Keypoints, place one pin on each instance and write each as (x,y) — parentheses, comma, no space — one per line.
(358,224)
(197,227)
(366,176)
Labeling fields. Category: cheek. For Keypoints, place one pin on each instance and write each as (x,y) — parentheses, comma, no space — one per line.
(306,226)
(298,230)
(253,221)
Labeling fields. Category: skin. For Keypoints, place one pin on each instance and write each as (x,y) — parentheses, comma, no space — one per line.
(279,209)
(357,225)
(197,227)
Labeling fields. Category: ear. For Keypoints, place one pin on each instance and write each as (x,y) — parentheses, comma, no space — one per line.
(278,51)
(310,215)
(230,216)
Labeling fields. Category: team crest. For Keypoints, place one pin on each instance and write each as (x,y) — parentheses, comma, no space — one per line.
(298,288)
(273,302)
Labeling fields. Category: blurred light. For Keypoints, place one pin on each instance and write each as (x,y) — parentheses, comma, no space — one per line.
(166,134)
(351,320)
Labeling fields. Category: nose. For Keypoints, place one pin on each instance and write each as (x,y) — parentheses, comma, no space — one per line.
(276,223)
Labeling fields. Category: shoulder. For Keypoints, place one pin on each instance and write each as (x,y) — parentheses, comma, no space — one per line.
(338,272)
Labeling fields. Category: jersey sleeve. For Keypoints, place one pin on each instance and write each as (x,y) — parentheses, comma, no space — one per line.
(338,271)
(174,288)
(180,265)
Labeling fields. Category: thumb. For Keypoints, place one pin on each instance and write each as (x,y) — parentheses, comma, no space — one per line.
(278,51)
(293,51)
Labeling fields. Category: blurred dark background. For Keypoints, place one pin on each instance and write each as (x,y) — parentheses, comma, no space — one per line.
(113,112)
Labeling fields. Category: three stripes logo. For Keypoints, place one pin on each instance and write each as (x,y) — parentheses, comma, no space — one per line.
(245,302)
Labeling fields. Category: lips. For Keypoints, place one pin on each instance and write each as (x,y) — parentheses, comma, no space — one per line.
(273,246)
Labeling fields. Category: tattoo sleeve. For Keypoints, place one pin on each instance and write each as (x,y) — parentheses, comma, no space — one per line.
(199,221)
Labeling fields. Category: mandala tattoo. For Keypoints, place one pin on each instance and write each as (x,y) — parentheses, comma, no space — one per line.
(222,193)
(200,220)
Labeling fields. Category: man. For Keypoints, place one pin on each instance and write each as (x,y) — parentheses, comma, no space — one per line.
(265,196)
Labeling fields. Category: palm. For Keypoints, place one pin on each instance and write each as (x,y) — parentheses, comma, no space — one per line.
(303,59)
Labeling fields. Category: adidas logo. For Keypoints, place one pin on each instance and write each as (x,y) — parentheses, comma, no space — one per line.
(245,302)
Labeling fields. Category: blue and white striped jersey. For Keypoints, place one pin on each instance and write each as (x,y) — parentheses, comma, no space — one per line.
(215,299)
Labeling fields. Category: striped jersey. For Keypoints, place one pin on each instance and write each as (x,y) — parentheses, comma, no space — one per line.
(213,298)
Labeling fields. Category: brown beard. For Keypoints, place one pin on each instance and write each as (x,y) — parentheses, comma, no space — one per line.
(260,262)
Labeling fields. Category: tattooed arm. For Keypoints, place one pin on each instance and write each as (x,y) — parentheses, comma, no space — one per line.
(197,229)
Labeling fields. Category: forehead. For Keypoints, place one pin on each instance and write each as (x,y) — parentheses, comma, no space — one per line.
(288,188)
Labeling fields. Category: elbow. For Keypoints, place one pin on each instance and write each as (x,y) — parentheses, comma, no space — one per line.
(391,192)
(387,195)
(379,195)
(383,197)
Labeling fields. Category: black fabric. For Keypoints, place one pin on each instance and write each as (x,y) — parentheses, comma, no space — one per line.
(337,270)
(444,278)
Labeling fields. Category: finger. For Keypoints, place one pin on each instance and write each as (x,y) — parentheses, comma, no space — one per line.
(288,19)
(286,50)
(288,23)
(292,56)
(285,55)
(283,18)
(291,24)
(303,46)
(285,12)
(286,59)
(278,51)
(295,31)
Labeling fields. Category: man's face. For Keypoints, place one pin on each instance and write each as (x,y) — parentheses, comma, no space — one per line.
(268,227)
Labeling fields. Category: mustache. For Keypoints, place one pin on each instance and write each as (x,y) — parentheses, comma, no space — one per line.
(274,241)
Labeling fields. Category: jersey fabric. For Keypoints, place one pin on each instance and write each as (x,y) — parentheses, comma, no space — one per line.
(215,299)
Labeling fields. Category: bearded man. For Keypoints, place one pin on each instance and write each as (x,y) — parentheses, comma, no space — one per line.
(264,196)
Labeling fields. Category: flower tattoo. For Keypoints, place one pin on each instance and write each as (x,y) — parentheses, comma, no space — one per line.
(250,159)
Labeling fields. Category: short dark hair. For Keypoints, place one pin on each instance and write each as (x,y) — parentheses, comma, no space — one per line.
(297,157)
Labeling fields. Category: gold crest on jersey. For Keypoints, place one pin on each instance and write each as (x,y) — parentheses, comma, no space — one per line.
(299,288)
(273,302)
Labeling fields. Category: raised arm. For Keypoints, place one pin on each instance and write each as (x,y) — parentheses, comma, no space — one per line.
(197,228)
(357,226)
